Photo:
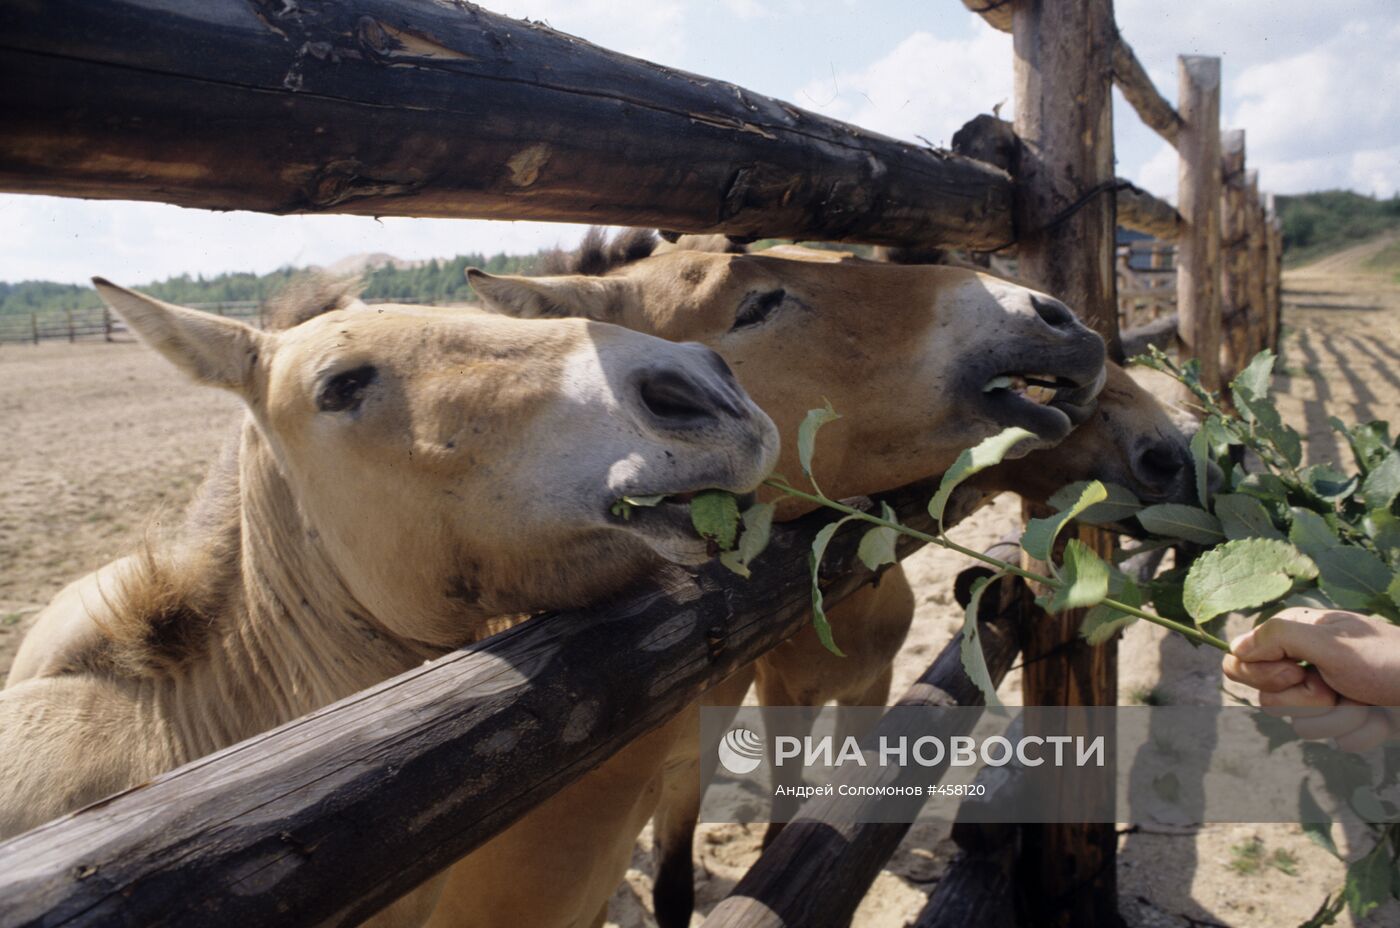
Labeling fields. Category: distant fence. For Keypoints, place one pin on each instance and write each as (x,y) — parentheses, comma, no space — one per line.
(95,323)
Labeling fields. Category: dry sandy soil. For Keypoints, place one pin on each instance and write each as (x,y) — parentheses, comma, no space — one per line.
(98,441)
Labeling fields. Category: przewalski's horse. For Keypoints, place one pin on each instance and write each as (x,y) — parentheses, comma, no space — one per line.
(404,477)
(1130,440)
(904,353)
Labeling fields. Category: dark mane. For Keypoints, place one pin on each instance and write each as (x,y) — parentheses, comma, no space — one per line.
(309,295)
(597,255)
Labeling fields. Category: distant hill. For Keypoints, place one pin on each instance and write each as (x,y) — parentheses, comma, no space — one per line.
(1318,224)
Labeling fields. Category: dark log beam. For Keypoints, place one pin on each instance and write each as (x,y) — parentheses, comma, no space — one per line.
(406,108)
(330,817)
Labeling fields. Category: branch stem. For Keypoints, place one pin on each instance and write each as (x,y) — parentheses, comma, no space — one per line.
(1195,634)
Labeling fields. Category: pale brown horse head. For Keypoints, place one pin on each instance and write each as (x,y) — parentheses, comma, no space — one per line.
(453,465)
(925,361)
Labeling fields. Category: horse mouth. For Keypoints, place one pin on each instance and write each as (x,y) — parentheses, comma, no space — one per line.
(663,522)
(1048,404)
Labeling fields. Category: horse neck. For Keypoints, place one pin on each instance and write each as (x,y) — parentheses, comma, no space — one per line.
(291,638)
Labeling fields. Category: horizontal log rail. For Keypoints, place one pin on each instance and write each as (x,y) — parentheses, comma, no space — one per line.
(406,108)
(422,768)
(1142,212)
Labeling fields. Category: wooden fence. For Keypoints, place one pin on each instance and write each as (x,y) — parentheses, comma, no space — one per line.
(399,107)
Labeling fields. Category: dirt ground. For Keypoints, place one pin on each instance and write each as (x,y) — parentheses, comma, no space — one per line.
(98,441)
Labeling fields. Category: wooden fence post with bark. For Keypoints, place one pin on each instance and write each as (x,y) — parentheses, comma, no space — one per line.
(1065,212)
(1256,257)
(1234,255)
(1198,201)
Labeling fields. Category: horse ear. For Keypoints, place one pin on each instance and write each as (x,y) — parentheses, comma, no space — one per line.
(578,295)
(211,349)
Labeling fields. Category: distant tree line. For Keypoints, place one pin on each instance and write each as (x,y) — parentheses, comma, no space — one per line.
(1330,220)
(434,281)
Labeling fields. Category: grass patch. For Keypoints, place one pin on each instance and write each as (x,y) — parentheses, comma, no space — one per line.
(1250,858)
(1149,696)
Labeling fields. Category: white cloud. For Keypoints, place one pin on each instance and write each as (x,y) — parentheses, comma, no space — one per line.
(1158,174)
(926,86)
(1316,87)
(49,238)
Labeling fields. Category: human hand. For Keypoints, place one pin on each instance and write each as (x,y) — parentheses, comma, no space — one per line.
(1355,666)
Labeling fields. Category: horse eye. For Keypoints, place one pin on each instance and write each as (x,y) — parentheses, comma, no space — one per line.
(345,390)
(757,307)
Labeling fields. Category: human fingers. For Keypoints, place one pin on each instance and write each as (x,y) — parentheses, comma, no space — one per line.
(1293,634)
(1375,731)
(1310,698)
(1346,718)
(1268,676)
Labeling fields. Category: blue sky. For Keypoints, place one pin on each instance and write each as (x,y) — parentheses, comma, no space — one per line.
(1316,86)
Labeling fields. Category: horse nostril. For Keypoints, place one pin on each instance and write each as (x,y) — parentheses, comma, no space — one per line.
(1053,312)
(674,398)
(1160,464)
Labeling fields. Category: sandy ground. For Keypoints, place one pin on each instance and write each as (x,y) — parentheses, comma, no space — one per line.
(98,441)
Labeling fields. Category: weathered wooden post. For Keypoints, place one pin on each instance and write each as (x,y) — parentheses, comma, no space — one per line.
(1273,239)
(1258,258)
(1065,216)
(34,327)
(72,336)
(1234,255)
(106,324)
(1198,201)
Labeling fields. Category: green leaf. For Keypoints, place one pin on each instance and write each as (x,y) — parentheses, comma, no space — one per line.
(1243,516)
(1085,578)
(1353,578)
(1103,622)
(819,620)
(1370,443)
(1243,575)
(877,546)
(989,452)
(1186,522)
(974,662)
(758,525)
(1316,823)
(1202,453)
(1383,483)
(1119,503)
(1368,881)
(1310,532)
(715,515)
(1038,540)
(1327,483)
(1393,591)
(1254,381)
(807,434)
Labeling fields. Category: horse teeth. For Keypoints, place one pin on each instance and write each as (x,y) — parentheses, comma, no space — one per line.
(1038,394)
